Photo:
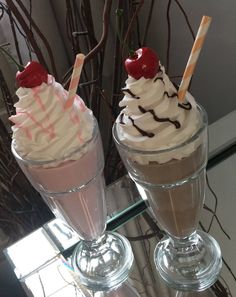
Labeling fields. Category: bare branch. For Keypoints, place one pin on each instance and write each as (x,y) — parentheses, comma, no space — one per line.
(41,35)
(129,29)
(27,31)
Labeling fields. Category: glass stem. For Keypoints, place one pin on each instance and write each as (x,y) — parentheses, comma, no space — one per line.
(185,242)
(94,244)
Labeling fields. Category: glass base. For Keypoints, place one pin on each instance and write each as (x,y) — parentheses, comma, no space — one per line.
(104,263)
(189,264)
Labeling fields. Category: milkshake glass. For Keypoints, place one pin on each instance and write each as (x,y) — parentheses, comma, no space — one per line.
(74,189)
(174,189)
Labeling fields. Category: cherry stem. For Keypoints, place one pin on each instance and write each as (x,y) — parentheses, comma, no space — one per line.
(19,66)
(119,14)
(131,53)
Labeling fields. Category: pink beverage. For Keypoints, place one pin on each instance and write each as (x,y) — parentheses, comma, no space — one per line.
(57,143)
(74,190)
(60,151)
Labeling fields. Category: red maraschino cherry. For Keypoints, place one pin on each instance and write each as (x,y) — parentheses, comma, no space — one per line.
(33,75)
(144,62)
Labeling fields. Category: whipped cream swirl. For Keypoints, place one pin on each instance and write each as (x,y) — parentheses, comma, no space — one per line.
(153,118)
(43,129)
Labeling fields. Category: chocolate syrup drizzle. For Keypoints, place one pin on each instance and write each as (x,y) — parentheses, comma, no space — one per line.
(170,96)
(130,93)
(157,119)
(141,131)
(159,78)
(186,106)
(121,119)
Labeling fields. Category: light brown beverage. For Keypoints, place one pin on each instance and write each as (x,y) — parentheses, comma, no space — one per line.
(174,191)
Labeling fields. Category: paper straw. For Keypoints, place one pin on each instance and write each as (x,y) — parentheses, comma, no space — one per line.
(196,49)
(79,61)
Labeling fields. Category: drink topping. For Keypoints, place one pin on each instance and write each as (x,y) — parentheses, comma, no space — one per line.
(143,63)
(44,129)
(33,75)
(152,116)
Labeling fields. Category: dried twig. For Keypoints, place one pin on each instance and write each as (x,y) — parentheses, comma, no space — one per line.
(168,35)
(130,26)
(102,42)
(149,18)
(27,31)
(216,202)
(186,18)
(70,26)
(217,219)
(94,64)
(15,36)
(74,23)
(6,96)
(40,34)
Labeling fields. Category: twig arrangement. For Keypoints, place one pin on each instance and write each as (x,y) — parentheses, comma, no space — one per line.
(6,96)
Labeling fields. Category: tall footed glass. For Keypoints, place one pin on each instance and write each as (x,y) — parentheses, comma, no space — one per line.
(74,189)
(174,187)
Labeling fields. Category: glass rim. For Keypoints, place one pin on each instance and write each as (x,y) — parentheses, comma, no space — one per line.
(164,150)
(60,160)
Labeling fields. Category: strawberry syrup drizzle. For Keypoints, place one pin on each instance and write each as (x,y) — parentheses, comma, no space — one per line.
(50,129)
(33,119)
(75,118)
(80,103)
(25,129)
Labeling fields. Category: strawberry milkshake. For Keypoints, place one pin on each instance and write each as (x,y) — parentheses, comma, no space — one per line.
(56,144)
(60,151)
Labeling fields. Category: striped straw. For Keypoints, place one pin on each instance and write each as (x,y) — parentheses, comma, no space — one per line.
(79,61)
(196,49)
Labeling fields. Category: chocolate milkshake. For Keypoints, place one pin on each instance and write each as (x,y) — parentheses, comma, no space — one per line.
(173,193)
(163,144)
